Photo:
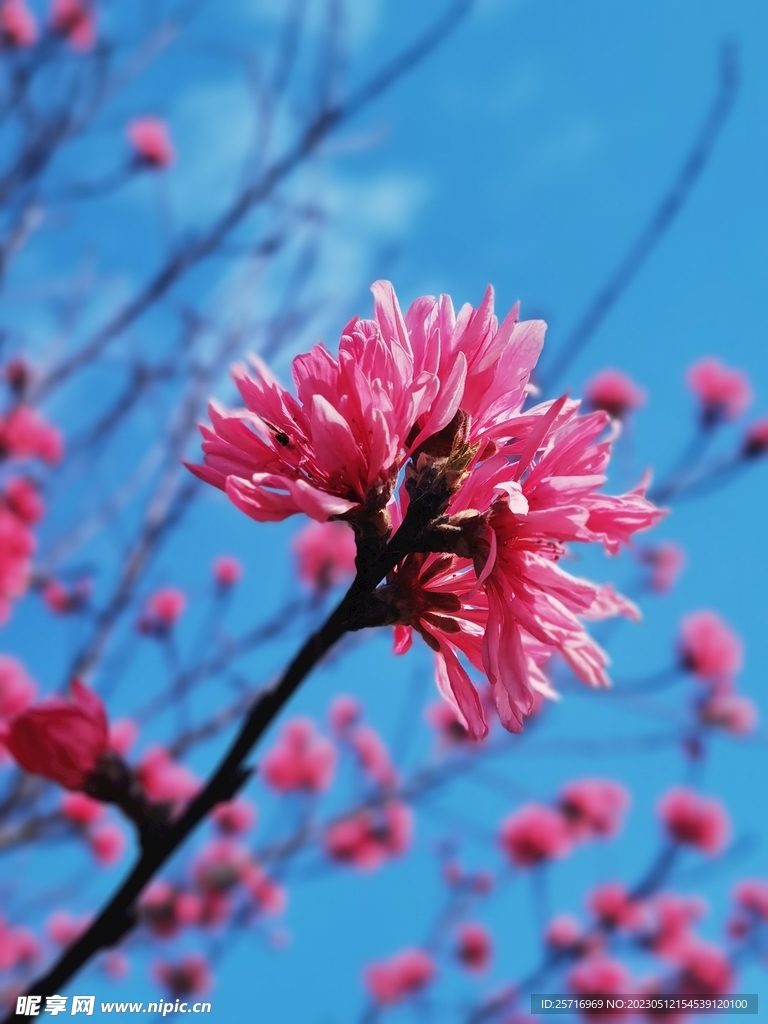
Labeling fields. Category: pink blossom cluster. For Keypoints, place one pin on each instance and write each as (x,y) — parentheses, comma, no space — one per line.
(105,838)
(162,610)
(694,820)
(24,435)
(151,142)
(586,809)
(713,653)
(74,21)
(362,741)
(662,924)
(404,974)
(434,399)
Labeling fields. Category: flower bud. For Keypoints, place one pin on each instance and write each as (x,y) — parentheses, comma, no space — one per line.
(61,739)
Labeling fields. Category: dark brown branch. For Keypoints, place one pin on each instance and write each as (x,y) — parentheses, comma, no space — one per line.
(118,917)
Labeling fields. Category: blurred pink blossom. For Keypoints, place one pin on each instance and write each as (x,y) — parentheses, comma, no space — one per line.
(107,842)
(18,28)
(404,974)
(705,970)
(593,807)
(151,142)
(614,392)
(189,976)
(301,759)
(343,713)
(756,438)
(600,974)
(325,553)
(162,610)
(695,820)
(25,434)
(63,928)
(227,571)
(122,735)
(474,946)
(369,837)
(235,817)
(81,809)
(534,834)
(17,689)
(74,19)
(613,906)
(729,711)
(709,648)
(666,561)
(723,393)
(23,498)
(165,780)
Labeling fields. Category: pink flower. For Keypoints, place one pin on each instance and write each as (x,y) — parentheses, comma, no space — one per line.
(107,843)
(17,690)
(326,554)
(190,976)
(74,19)
(162,611)
(166,909)
(372,755)
(63,928)
(22,497)
(670,922)
(474,947)
(61,739)
(752,895)
(665,561)
(270,898)
(122,735)
(221,865)
(116,965)
(151,142)
(81,809)
(235,817)
(613,906)
(227,571)
(614,392)
(17,544)
(64,600)
(564,932)
(165,780)
(705,970)
(343,713)
(695,820)
(393,980)
(18,946)
(593,807)
(709,648)
(301,759)
(756,439)
(722,392)
(18,28)
(398,381)
(534,834)
(24,434)
(369,837)
(516,487)
(600,975)
(448,724)
(736,715)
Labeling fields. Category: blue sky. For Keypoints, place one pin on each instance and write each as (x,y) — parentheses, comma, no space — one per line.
(528,153)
